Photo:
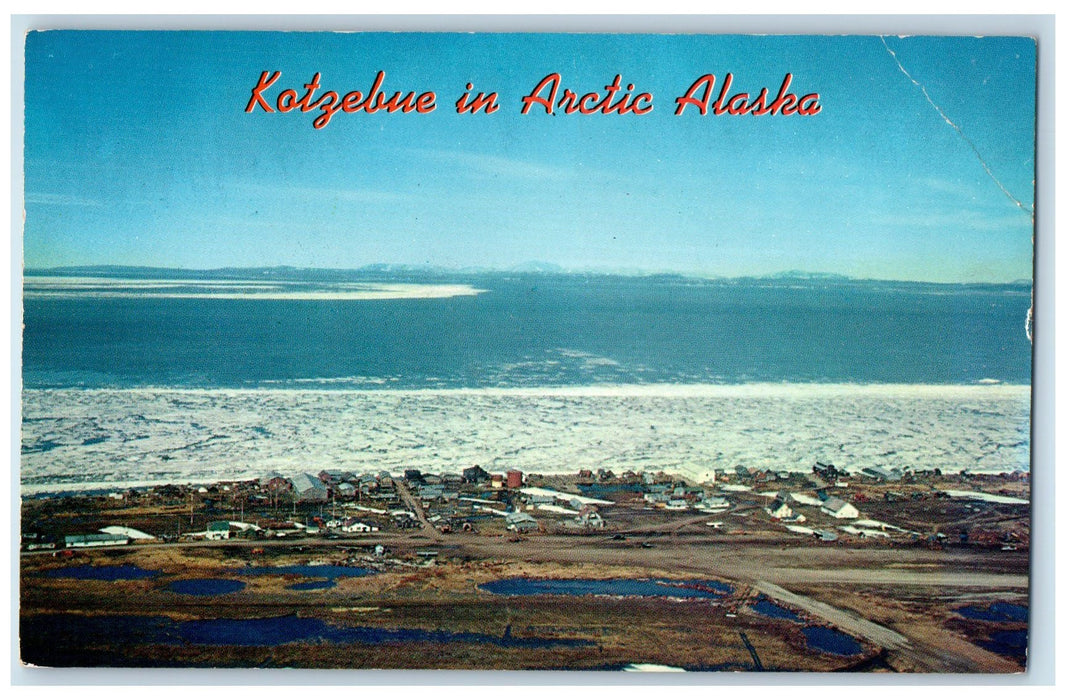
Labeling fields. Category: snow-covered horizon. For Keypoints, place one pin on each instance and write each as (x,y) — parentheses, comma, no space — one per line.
(251,289)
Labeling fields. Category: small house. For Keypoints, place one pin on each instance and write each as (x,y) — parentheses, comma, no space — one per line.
(882,474)
(839,508)
(475,475)
(217,530)
(779,509)
(521,522)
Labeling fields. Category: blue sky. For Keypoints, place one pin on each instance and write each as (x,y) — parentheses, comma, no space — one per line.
(139,152)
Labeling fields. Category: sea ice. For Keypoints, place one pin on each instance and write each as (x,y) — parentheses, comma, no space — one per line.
(107,438)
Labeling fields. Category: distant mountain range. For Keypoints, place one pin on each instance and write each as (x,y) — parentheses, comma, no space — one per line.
(394,271)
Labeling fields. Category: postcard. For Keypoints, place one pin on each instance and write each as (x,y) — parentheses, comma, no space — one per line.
(618,352)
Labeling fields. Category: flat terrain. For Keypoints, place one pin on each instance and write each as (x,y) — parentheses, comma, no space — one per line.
(929,583)
(444,595)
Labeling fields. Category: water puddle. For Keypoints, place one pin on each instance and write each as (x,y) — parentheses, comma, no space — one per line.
(610,587)
(831,641)
(996,612)
(130,629)
(284,630)
(818,638)
(1010,643)
(764,606)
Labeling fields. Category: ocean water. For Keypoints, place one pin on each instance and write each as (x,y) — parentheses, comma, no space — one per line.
(139,381)
(525,331)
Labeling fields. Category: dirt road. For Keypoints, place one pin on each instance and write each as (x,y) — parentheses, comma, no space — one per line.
(416,508)
(849,622)
(912,652)
(780,565)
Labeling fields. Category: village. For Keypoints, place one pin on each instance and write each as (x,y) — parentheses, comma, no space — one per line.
(826,504)
(828,569)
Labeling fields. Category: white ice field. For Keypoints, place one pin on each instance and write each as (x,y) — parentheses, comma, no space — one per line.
(88,439)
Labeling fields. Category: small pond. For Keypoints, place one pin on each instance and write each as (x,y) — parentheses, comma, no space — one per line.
(764,606)
(271,631)
(996,612)
(831,641)
(1010,643)
(611,587)
(284,630)
(87,572)
(206,586)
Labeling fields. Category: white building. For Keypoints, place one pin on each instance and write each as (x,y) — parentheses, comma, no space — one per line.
(129,532)
(356,526)
(779,509)
(591,519)
(839,508)
(217,530)
(706,477)
(521,522)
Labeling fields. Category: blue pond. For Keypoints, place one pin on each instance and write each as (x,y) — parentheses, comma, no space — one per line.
(1010,643)
(996,612)
(831,641)
(614,587)
(131,629)
(283,630)
(206,586)
(103,573)
(763,606)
